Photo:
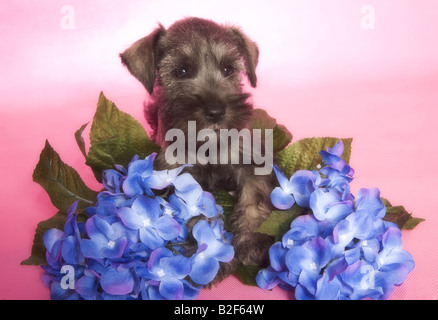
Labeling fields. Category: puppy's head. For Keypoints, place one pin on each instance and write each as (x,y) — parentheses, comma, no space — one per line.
(194,70)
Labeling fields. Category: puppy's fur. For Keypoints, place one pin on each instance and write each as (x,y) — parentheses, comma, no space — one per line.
(193,72)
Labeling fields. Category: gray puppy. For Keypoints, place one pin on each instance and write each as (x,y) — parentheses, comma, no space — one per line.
(193,72)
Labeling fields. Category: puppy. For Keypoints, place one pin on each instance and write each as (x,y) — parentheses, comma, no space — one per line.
(193,72)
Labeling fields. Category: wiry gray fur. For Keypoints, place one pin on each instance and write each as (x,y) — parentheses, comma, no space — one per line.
(186,70)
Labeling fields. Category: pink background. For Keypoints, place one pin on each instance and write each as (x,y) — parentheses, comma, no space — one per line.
(320,74)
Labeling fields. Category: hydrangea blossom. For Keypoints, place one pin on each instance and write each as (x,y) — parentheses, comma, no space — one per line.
(135,243)
(344,250)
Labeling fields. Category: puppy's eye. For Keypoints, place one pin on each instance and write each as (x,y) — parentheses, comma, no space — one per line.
(228,71)
(181,72)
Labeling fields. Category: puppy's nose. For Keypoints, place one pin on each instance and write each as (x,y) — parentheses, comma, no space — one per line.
(215,112)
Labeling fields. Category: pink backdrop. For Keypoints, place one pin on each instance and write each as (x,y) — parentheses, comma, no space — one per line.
(322,72)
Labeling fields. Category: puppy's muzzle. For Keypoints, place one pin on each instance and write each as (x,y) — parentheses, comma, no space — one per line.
(214,111)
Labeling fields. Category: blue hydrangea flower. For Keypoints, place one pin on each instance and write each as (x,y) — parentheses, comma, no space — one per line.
(134,242)
(112,181)
(211,250)
(139,171)
(117,281)
(296,189)
(327,204)
(343,250)
(167,270)
(145,216)
(106,240)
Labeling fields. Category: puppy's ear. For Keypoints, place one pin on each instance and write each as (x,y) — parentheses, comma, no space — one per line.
(250,52)
(141,58)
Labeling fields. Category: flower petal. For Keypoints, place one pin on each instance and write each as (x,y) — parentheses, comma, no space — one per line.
(132,185)
(277,256)
(302,182)
(151,238)
(368,200)
(297,259)
(117,282)
(130,218)
(86,286)
(187,188)
(111,180)
(172,289)
(167,227)
(282,179)
(321,251)
(162,179)
(115,249)
(70,250)
(328,289)
(281,200)
(147,208)
(223,252)
(208,205)
(52,236)
(176,266)
(91,249)
(267,278)
(302,229)
(142,167)
(204,270)
(203,233)
(155,258)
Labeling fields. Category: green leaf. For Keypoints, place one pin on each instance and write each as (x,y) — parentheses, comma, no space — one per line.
(116,137)
(281,136)
(79,140)
(62,183)
(304,154)
(278,222)
(398,214)
(38,253)
(412,223)
(247,274)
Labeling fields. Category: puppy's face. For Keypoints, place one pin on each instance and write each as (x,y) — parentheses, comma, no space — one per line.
(195,70)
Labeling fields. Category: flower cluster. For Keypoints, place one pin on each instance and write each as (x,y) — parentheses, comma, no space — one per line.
(136,243)
(344,250)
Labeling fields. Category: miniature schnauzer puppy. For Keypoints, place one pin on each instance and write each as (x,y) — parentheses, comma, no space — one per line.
(193,72)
